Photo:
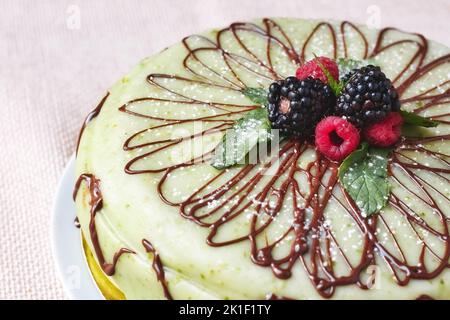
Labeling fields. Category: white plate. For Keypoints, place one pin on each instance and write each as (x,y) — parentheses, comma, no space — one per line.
(67,247)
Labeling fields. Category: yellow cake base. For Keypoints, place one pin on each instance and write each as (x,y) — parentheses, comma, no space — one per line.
(106,287)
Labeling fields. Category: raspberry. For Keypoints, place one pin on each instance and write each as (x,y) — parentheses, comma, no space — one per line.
(312,69)
(295,106)
(336,138)
(385,132)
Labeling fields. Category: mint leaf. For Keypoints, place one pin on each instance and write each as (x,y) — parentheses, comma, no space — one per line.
(364,176)
(335,85)
(416,120)
(346,65)
(412,131)
(256,95)
(244,135)
(357,155)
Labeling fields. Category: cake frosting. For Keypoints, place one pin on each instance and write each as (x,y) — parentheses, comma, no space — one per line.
(162,223)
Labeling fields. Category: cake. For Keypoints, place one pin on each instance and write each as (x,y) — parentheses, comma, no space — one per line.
(165,214)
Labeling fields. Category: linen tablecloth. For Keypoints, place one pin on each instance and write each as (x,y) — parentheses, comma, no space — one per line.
(57,60)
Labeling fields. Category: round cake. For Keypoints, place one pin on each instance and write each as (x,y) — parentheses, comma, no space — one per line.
(351,202)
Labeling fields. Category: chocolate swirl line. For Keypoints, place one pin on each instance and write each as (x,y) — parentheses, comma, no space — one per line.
(158,267)
(76,223)
(424,297)
(343,29)
(313,241)
(91,115)
(315,30)
(96,204)
(272,296)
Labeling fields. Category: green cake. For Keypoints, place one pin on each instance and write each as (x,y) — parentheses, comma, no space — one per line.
(164,219)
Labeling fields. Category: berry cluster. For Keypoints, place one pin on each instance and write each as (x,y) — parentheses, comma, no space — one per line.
(306,105)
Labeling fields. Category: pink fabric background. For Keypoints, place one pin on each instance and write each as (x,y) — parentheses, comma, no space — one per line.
(59,57)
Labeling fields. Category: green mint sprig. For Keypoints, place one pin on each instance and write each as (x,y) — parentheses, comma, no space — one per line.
(334,84)
(364,175)
(411,118)
(256,95)
(345,65)
(245,134)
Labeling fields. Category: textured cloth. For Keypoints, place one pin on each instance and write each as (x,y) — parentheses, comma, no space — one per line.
(58,59)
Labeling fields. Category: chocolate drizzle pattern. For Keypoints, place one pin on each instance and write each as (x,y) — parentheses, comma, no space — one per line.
(96,204)
(424,297)
(76,223)
(158,267)
(94,113)
(227,196)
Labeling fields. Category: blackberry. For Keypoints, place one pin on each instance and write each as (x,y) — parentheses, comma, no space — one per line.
(295,106)
(368,96)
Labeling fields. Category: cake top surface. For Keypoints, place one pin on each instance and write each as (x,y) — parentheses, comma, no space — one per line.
(287,228)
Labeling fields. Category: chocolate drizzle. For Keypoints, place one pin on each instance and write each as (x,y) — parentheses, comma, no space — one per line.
(273,296)
(158,267)
(89,118)
(224,199)
(76,223)
(96,204)
(424,297)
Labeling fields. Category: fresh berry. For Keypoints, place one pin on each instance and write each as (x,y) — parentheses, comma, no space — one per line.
(295,106)
(386,132)
(336,138)
(313,69)
(368,96)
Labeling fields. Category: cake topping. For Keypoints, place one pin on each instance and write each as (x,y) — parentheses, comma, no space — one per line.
(367,106)
(413,119)
(336,138)
(227,197)
(386,132)
(367,96)
(364,174)
(241,138)
(315,69)
(295,106)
